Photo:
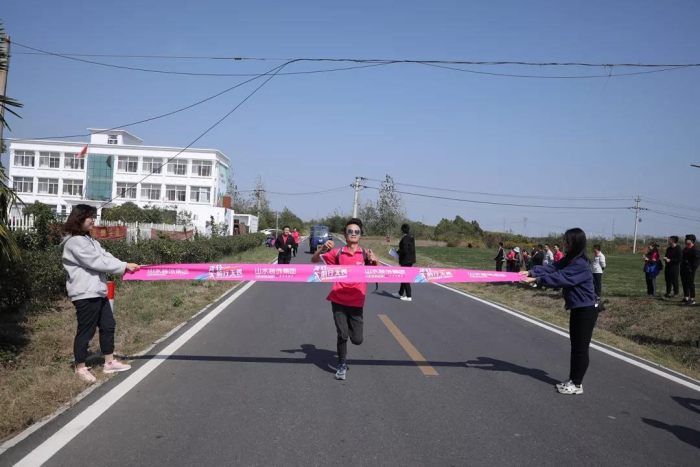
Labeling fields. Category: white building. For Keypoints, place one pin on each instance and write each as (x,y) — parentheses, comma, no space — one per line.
(118,168)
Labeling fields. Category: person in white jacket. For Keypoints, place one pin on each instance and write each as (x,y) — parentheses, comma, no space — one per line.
(87,265)
(597,267)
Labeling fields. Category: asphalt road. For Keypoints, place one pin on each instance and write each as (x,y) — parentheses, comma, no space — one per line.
(254,387)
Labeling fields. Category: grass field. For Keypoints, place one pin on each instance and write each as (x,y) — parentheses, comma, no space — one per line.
(38,380)
(657,329)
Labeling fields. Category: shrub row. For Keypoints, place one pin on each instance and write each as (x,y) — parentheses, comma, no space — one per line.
(33,283)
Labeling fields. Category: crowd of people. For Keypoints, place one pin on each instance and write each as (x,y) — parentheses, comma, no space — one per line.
(677,262)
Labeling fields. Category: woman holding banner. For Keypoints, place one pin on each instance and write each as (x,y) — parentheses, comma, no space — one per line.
(572,274)
(87,265)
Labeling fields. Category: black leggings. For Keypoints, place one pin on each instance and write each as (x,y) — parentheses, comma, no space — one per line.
(93,313)
(405,287)
(348,323)
(581,323)
(671,276)
(598,284)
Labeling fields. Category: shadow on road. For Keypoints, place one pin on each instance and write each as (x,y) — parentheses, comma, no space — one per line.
(688,403)
(492,364)
(685,434)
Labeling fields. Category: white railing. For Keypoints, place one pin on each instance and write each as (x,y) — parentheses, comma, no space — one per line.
(21,223)
(136,231)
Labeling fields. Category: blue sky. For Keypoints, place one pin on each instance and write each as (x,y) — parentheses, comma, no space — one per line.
(567,138)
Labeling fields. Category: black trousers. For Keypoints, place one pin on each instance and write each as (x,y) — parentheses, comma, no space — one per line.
(405,286)
(671,276)
(295,248)
(499,265)
(284,258)
(598,283)
(581,324)
(651,283)
(688,281)
(93,313)
(348,324)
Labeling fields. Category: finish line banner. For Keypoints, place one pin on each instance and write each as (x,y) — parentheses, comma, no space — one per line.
(314,273)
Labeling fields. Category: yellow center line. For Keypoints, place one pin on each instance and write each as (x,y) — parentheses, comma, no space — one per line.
(410,349)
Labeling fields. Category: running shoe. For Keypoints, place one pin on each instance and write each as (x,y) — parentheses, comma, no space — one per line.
(407,299)
(115,366)
(84,374)
(570,388)
(341,372)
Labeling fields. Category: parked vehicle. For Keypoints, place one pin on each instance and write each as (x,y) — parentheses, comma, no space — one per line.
(318,236)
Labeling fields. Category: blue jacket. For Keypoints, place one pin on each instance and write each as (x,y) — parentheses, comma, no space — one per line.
(576,280)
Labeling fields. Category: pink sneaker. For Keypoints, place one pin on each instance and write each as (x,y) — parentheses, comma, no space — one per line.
(84,374)
(115,366)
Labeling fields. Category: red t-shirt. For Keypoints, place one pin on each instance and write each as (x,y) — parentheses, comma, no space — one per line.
(558,256)
(295,235)
(347,293)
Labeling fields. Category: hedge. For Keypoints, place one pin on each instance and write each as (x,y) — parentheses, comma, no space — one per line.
(39,278)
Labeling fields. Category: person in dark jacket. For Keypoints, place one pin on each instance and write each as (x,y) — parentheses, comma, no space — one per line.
(573,274)
(538,256)
(284,244)
(407,257)
(500,257)
(689,266)
(672,258)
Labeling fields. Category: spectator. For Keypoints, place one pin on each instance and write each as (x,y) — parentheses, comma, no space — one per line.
(672,258)
(500,257)
(558,254)
(526,259)
(87,264)
(689,265)
(407,257)
(548,256)
(652,267)
(284,245)
(597,267)
(538,256)
(573,274)
(513,260)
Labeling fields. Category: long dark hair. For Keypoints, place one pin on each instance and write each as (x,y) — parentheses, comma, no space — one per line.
(575,240)
(74,223)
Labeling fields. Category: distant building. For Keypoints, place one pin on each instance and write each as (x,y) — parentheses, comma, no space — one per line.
(118,168)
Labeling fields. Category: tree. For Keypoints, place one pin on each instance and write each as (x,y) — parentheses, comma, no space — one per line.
(389,208)
(44,220)
(8,198)
(370,218)
(287,217)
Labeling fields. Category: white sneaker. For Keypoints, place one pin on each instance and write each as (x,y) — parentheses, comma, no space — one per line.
(562,384)
(396,295)
(570,388)
(407,299)
(85,375)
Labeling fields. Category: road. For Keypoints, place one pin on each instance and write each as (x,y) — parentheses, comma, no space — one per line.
(254,387)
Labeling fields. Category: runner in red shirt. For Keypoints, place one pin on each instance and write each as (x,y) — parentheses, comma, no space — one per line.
(295,235)
(347,299)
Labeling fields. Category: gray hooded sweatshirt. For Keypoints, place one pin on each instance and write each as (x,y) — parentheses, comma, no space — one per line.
(87,264)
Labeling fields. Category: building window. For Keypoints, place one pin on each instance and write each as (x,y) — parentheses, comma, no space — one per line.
(23,184)
(112,139)
(152,165)
(200,194)
(128,164)
(177,167)
(50,160)
(47,186)
(176,193)
(150,191)
(73,187)
(70,161)
(126,190)
(24,158)
(201,168)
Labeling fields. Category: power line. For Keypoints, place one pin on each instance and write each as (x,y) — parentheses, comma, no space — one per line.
(373,62)
(190,73)
(677,216)
(586,198)
(494,203)
(329,190)
(270,76)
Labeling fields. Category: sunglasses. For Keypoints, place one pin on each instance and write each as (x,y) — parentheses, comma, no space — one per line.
(353,231)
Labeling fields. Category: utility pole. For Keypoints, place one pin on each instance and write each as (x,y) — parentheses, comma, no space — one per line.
(277,221)
(356,201)
(636,222)
(5,46)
